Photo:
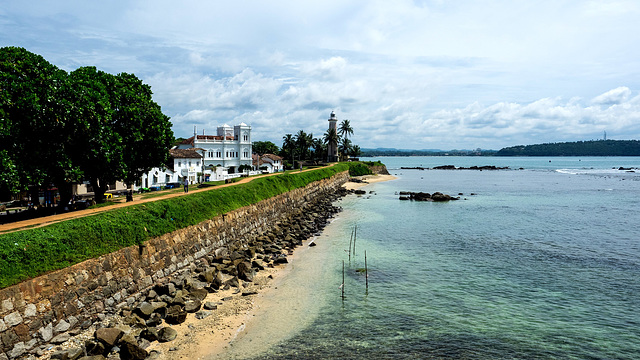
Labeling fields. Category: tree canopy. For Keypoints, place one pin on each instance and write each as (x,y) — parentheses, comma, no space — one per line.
(265,147)
(578,148)
(86,125)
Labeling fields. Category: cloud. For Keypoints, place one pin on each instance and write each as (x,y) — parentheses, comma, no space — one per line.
(613,97)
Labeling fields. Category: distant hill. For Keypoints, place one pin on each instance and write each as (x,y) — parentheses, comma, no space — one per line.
(424,152)
(578,148)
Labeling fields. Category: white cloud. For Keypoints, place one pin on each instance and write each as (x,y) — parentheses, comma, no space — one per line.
(613,97)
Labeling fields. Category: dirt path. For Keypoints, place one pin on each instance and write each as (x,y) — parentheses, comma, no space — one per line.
(47,220)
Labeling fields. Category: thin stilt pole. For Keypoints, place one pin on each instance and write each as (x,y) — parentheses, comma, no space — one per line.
(342,287)
(366,272)
(350,241)
(355,236)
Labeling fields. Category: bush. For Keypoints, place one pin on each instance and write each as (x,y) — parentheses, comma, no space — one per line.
(359,169)
(29,253)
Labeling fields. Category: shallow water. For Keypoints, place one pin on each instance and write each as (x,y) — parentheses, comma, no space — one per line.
(542,263)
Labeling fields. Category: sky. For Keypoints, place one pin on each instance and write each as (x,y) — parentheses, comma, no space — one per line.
(421,74)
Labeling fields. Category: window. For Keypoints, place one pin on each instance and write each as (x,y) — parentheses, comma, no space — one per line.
(189,163)
(179,163)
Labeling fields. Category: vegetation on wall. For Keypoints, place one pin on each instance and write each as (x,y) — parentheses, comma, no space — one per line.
(30,253)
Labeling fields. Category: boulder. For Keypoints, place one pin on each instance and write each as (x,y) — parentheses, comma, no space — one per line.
(150,334)
(167,334)
(108,336)
(245,271)
(94,347)
(144,310)
(198,293)
(175,315)
(209,305)
(192,306)
(130,350)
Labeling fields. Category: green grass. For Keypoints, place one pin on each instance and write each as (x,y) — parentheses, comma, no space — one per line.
(33,252)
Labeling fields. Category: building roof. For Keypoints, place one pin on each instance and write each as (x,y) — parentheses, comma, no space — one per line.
(185,153)
(272,157)
(189,141)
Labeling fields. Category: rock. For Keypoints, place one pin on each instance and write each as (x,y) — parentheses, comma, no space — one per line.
(94,347)
(61,338)
(249,292)
(108,336)
(245,271)
(209,305)
(130,350)
(281,260)
(167,334)
(14,319)
(258,264)
(93,357)
(144,310)
(202,314)
(198,293)
(233,282)
(175,315)
(150,334)
(154,320)
(192,306)
(134,321)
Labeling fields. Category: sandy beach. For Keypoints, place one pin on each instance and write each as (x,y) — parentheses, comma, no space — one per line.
(244,325)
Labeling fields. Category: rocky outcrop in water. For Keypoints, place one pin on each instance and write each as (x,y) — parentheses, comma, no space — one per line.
(423,196)
(453,167)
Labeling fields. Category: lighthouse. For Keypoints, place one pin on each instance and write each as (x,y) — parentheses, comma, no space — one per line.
(332,146)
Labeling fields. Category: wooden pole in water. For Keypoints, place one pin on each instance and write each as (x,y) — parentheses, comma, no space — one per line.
(366,272)
(350,241)
(342,287)
(355,236)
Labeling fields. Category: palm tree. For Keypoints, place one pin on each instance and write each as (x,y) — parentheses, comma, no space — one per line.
(331,139)
(355,151)
(302,142)
(345,128)
(345,147)
(288,145)
(319,150)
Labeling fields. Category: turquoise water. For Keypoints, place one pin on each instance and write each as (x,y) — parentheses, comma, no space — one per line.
(541,263)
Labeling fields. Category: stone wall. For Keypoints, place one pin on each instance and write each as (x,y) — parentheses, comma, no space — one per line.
(36,311)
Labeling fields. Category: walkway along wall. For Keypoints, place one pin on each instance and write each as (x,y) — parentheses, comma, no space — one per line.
(37,310)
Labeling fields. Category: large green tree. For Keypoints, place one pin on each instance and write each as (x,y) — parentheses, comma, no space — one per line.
(119,131)
(33,128)
(265,147)
(345,128)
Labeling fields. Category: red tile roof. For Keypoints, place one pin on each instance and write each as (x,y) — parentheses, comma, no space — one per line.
(185,153)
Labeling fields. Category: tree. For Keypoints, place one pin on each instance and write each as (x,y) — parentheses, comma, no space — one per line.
(355,151)
(288,146)
(265,147)
(331,139)
(345,147)
(319,150)
(33,129)
(119,131)
(345,128)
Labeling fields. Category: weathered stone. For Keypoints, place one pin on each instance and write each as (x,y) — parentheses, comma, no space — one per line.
(167,334)
(144,310)
(94,347)
(154,320)
(202,314)
(131,351)
(198,293)
(13,319)
(108,336)
(46,332)
(30,310)
(22,331)
(93,357)
(134,320)
(18,349)
(9,338)
(150,334)
(175,315)
(61,327)
(209,305)
(7,305)
(192,306)
(59,339)
(3,326)
(245,271)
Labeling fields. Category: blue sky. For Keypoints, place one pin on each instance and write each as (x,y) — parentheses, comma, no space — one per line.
(407,74)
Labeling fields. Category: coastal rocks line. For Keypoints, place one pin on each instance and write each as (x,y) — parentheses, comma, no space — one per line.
(223,251)
(453,167)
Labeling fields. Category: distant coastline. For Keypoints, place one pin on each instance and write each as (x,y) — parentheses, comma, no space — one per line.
(576,148)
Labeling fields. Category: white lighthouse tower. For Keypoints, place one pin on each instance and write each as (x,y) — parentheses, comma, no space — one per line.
(332,147)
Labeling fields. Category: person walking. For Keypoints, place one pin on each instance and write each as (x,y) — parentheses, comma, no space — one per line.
(186,184)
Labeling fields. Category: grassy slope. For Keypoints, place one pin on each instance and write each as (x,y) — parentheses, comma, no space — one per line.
(30,253)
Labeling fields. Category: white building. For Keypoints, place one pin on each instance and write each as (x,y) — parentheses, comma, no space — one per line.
(182,163)
(227,151)
(268,162)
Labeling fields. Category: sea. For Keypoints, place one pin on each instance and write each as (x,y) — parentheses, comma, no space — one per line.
(538,261)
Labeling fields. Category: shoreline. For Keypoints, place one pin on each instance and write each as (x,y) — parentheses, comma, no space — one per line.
(235,324)
(250,312)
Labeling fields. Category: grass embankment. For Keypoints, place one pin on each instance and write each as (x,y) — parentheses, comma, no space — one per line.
(30,253)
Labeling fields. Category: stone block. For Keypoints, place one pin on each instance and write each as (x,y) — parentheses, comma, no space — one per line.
(7,305)
(46,332)
(3,326)
(62,326)
(18,349)
(13,319)
(30,310)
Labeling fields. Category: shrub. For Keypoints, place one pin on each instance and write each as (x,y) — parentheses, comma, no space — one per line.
(359,169)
